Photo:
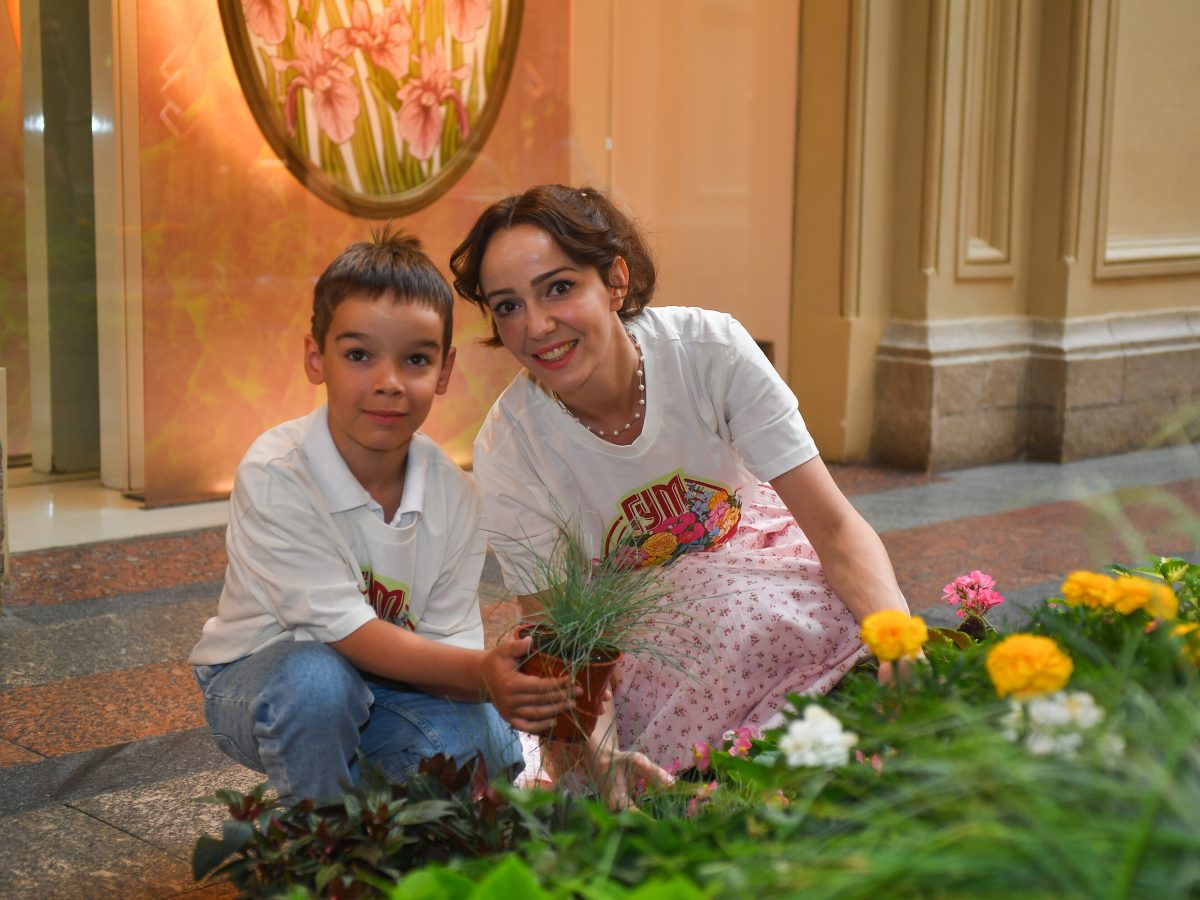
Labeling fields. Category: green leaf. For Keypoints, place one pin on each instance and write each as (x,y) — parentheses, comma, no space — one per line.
(420,813)
(952,636)
(512,878)
(433,883)
(211,851)
(676,888)
(325,875)
(749,769)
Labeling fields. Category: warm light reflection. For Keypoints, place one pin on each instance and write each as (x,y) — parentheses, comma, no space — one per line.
(14,18)
(237,244)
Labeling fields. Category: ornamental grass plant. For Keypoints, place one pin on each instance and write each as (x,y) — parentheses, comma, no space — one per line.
(591,609)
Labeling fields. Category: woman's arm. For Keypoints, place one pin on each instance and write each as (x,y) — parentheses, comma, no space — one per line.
(851,553)
(854,558)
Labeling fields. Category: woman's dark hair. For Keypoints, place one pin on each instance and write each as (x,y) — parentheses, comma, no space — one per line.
(588,227)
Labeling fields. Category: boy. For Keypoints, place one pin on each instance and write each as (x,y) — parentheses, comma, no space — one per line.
(349,620)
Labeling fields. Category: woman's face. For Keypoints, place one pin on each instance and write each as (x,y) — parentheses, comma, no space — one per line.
(557,317)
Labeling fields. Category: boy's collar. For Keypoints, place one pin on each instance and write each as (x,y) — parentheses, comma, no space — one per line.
(341,489)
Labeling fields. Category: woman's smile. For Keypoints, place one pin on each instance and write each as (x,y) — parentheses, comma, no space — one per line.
(556,354)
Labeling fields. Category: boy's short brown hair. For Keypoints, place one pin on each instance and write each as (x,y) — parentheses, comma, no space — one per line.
(392,262)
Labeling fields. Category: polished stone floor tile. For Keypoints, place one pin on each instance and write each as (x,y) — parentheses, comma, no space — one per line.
(137,764)
(101,710)
(171,815)
(59,853)
(88,571)
(13,755)
(115,639)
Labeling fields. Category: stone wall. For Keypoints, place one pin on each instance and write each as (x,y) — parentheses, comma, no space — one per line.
(970,393)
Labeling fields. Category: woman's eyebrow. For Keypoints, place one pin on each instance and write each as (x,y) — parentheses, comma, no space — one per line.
(534,283)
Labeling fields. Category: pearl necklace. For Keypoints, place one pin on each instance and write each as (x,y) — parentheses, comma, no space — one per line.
(641,403)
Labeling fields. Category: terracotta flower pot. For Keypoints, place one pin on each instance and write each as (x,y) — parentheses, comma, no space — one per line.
(576,725)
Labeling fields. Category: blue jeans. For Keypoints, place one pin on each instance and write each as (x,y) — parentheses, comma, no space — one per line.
(299,712)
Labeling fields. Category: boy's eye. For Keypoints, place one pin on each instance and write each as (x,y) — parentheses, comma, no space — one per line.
(418,359)
(356,355)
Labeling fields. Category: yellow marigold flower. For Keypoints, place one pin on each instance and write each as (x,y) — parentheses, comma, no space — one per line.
(660,545)
(717,499)
(1028,665)
(1127,594)
(1088,589)
(1191,645)
(891,634)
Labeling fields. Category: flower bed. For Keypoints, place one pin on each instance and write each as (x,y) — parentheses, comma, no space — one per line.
(1062,761)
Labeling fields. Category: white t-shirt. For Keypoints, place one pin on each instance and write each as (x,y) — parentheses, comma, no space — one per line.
(718,419)
(311,558)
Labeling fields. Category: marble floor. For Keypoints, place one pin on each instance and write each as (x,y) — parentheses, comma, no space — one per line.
(104,756)
(61,511)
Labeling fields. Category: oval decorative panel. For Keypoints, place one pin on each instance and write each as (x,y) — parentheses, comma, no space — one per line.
(375,106)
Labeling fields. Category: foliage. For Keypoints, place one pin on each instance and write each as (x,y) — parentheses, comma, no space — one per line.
(935,787)
(1091,792)
(358,844)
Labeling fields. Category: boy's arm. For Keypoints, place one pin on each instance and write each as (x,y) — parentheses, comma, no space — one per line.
(458,673)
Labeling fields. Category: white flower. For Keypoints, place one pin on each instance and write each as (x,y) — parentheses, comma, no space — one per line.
(1013,720)
(1112,748)
(817,740)
(1053,724)
(1044,743)
(1078,708)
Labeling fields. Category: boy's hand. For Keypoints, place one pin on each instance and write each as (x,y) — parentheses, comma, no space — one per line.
(524,701)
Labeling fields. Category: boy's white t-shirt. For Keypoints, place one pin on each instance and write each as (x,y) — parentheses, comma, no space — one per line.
(718,420)
(311,558)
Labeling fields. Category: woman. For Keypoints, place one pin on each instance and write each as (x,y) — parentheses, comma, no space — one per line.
(672,439)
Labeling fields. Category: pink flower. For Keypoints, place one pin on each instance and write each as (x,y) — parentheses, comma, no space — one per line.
(421,112)
(465,17)
(383,37)
(686,527)
(740,740)
(875,761)
(266,18)
(335,99)
(702,754)
(975,592)
(716,516)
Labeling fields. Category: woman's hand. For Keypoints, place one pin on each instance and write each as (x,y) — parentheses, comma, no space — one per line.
(901,670)
(616,775)
(620,775)
(524,701)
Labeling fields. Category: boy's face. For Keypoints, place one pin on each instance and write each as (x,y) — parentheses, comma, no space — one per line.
(382,365)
